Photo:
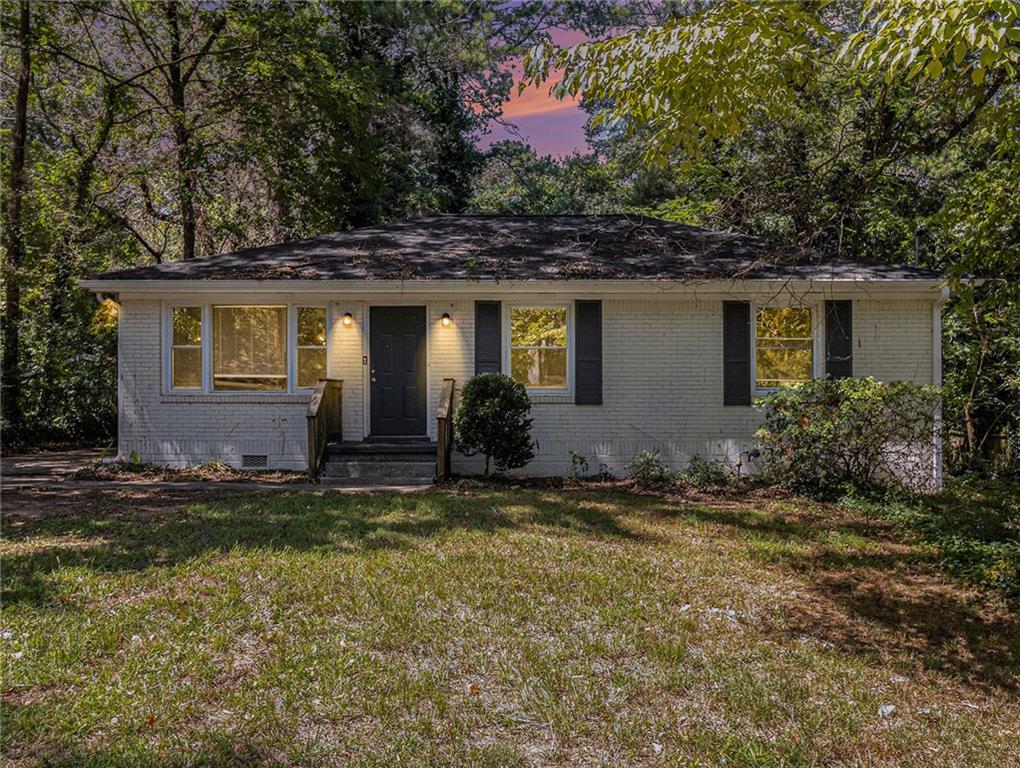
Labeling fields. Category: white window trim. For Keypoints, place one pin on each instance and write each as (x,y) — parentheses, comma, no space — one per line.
(508,308)
(207,349)
(168,334)
(817,347)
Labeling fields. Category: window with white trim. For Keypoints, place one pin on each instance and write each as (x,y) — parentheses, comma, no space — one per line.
(538,346)
(784,351)
(186,347)
(311,346)
(225,348)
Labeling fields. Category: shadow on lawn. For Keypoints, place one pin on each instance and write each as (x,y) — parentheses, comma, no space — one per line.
(871,591)
(135,530)
(863,589)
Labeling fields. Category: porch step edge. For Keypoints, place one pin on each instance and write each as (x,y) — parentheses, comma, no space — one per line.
(387,470)
(380,448)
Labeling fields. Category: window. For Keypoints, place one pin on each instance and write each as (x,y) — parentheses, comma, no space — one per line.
(311,345)
(538,347)
(784,346)
(249,348)
(186,348)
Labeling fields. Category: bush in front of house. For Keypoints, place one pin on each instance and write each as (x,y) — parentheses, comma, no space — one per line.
(830,436)
(647,467)
(493,418)
(705,473)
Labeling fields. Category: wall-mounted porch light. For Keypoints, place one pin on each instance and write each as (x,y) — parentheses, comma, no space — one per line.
(445,320)
(348,319)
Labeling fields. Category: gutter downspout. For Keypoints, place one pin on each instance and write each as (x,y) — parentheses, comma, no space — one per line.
(936,379)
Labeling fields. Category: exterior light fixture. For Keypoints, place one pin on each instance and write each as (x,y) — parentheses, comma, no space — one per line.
(445,320)
(348,319)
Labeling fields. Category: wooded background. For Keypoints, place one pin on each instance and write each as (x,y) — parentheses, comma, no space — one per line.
(140,132)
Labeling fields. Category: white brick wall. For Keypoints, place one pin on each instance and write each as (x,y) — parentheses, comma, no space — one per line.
(189,429)
(662,374)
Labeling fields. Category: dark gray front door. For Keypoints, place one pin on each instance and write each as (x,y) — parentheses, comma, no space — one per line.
(397,365)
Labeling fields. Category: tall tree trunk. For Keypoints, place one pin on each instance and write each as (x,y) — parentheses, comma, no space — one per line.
(11,374)
(185,171)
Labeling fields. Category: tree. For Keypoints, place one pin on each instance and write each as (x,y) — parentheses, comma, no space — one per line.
(492,418)
(15,244)
(512,179)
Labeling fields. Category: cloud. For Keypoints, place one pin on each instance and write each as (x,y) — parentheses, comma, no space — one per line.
(552,126)
(537,100)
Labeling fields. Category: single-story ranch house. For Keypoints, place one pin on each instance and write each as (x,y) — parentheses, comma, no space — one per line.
(629,333)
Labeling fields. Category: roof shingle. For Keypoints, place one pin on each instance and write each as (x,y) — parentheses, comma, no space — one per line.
(463,247)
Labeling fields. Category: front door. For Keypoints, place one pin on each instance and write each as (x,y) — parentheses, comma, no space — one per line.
(397,366)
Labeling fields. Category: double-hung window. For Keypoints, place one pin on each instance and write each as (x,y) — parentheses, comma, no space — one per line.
(538,350)
(186,347)
(246,348)
(784,346)
(311,345)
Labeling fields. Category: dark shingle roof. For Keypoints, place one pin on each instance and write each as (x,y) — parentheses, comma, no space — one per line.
(455,247)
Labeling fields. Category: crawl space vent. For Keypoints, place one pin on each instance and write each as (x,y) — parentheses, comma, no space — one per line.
(254,461)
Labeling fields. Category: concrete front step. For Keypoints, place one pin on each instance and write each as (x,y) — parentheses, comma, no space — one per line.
(388,471)
(419,450)
(381,461)
(338,482)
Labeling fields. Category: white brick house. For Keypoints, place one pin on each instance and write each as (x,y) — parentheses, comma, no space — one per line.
(630,334)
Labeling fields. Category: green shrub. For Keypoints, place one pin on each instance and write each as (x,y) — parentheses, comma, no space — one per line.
(705,473)
(648,467)
(828,436)
(578,465)
(492,418)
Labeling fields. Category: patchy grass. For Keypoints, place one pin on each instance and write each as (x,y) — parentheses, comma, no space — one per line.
(491,627)
(973,527)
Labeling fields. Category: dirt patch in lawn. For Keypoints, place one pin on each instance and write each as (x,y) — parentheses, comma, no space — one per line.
(53,502)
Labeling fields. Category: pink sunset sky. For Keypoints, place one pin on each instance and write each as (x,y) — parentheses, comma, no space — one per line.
(552,126)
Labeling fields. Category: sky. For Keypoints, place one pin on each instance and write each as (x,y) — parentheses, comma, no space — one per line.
(552,126)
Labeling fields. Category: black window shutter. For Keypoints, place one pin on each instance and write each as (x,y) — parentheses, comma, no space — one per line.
(736,353)
(588,353)
(839,342)
(488,345)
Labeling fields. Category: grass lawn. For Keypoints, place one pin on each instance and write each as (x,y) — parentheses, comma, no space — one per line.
(489,628)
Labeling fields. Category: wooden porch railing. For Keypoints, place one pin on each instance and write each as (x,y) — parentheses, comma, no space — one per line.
(444,430)
(325,423)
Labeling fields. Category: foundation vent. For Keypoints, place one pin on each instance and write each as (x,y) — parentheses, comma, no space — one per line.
(254,461)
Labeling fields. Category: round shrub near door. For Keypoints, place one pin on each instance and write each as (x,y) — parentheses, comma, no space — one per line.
(493,419)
